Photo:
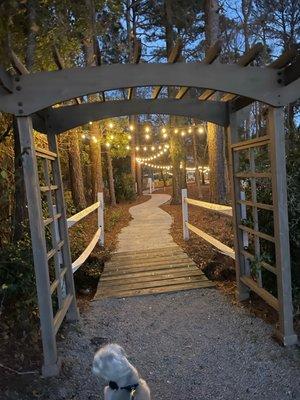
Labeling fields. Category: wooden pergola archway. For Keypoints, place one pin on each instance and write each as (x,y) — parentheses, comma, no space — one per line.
(30,98)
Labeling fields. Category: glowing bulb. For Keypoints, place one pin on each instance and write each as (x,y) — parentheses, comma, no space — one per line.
(107,144)
(163,130)
(147,137)
(110,125)
(167,146)
(129,137)
(112,137)
(131,128)
(152,148)
(200,129)
(165,135)
(83,136)
(145,148)
(90,122)
(190,130)
(137,148)
(159,147)
(175,130)
(147,129)
(94,139)
(182,133)
(127,147)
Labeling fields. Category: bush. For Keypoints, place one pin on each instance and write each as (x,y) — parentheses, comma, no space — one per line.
(17,286)
(124,187)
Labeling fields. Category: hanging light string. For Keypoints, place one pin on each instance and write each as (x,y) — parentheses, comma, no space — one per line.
(157,155)
(203,169)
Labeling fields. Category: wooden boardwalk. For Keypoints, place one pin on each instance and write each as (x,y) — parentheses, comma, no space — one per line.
(147,260)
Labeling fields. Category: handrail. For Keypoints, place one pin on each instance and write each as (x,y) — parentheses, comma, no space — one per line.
(84,255)
(98,236)
(218,208)
(77,217)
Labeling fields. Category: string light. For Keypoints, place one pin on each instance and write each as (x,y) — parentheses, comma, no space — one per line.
(147,136)
(190,130)
(107,145)
(175,130)
(145,148)
(165,135)
(200,129)
(131,128)
(112,137)
(94,139)
(152,148)
(90,122)
(163,130)
(129,137)
(147,129)
(110,125)
(83,136)
(127,147)
(182,133)
(137,148)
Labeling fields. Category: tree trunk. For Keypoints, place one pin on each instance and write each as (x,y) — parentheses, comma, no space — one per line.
(77,187)
(215,134)
(95,141)
(111,182)
(196,165)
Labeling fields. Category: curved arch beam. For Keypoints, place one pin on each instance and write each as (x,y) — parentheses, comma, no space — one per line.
(34,92)
(62,119)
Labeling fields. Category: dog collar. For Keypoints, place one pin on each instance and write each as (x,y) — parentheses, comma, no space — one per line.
(130,388)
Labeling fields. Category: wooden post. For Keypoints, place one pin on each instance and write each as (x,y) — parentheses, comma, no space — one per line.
(72,313)
(240,265)
(60,259)
(185,214)
(281,228)
(101,218)
(51,364)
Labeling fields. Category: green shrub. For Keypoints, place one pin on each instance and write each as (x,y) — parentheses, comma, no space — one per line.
(124,187)
(17,285)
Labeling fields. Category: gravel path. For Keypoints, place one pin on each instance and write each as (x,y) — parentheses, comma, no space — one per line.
(188,345)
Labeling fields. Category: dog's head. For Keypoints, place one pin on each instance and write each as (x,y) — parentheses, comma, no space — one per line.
(110,362)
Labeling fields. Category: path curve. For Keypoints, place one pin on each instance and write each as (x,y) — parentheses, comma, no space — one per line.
(149,228)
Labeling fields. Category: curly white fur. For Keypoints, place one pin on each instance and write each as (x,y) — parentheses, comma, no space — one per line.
(110,363)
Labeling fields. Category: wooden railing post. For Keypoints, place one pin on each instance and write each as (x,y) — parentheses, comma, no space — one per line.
(185,215)
(101,218)
(60,258)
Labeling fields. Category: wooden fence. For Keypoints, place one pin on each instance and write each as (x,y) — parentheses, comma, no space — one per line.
(216,208)
(98,236)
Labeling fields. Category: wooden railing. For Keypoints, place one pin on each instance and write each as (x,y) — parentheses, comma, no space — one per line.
(98,236)
(216,208)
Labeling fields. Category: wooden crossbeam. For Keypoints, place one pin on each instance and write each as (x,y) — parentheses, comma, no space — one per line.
(173,57)
(137,52)
(243,61)
(282,61)
(17,64)
(211,55)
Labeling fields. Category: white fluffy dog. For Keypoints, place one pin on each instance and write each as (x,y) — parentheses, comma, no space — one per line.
(110,363)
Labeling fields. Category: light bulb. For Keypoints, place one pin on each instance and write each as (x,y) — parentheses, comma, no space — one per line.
(147,137)
(163,130)
(152,148)
(190,130)
(147,129)
(129,137)
(131,128)
(145,148)
(107,144)
(201,129)
(110,125)
(175,130)
(165,135)
(137,148)
(83,136)
(182,133)
(128,147)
